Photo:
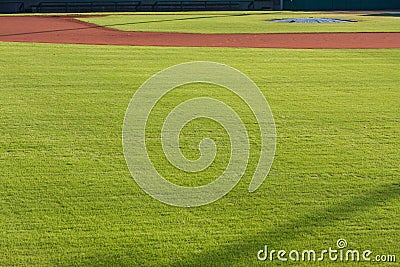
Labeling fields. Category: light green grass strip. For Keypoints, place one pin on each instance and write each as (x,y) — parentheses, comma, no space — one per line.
(245,22)
(67,198)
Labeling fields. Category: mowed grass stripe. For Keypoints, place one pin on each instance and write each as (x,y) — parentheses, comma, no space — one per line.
(67,197)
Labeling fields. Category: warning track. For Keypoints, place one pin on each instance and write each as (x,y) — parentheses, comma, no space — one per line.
(67,30)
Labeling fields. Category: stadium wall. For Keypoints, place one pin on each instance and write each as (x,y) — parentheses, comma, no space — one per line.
(340,4)
(18,6)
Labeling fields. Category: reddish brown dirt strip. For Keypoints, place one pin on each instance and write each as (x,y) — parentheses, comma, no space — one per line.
(66,30)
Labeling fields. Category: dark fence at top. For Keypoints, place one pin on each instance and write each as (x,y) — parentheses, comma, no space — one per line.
(340,4)
(160,5)
(12,6)
(47,6)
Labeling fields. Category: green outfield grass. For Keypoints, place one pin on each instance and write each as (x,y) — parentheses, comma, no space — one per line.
(67,197)
(244,22)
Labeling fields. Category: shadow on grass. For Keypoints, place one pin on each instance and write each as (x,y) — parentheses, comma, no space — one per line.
(229,255)
(297,229)
(383,15)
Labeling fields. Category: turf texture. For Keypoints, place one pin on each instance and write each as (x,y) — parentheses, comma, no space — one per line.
(67,197)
